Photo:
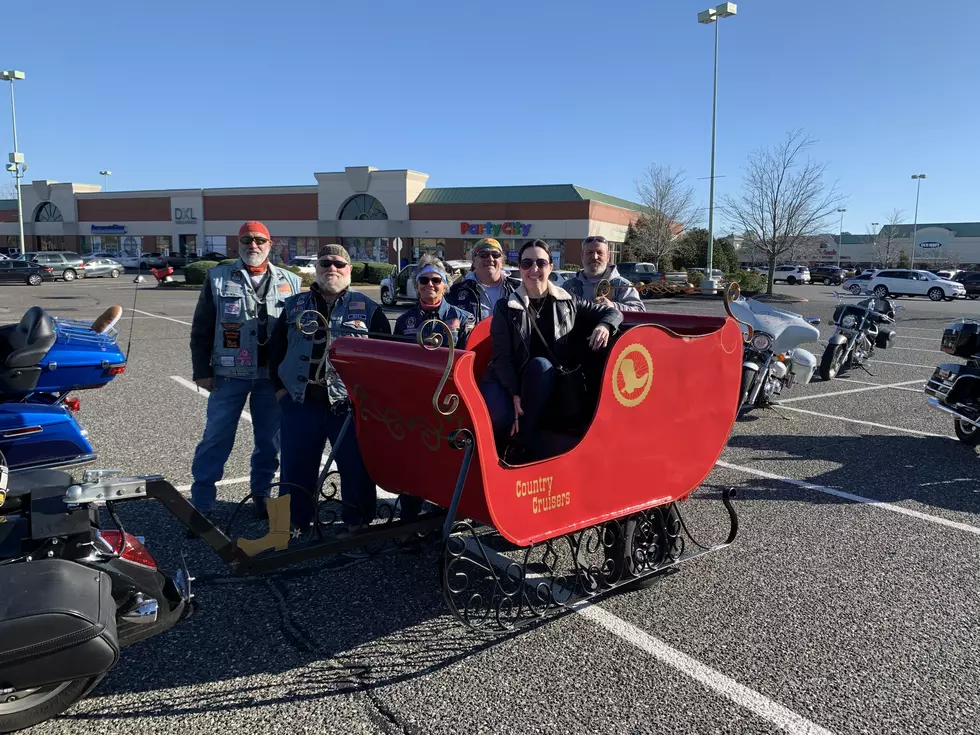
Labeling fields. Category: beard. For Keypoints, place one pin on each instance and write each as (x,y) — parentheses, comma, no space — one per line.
(254,259)
(333,285)
(594,269)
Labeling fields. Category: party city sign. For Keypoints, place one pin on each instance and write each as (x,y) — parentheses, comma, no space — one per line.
(494,230)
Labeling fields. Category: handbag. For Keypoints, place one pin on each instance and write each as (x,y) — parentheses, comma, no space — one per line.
(568,396)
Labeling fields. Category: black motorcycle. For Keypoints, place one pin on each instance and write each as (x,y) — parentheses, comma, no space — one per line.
(72,593)
(955,388)
(860,329)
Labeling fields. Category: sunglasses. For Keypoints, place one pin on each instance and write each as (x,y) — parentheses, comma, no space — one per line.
(247,240)
(487,254)
(426,280)
(327,262)
(528,262)
(593,238)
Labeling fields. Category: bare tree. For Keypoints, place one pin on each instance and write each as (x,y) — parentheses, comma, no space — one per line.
(8,190)
(884,244)
(784,199)
(671,207)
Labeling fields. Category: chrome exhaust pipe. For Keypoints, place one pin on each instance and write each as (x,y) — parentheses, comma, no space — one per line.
(143,612)
(935,403)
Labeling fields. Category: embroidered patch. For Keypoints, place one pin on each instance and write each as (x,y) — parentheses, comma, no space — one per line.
(362,317)
(232,308)
(236,275)
(233,339)
(357,305)
(285,288)
(232,325)
(227,361)
(410,322)
(244,357)
(453,324)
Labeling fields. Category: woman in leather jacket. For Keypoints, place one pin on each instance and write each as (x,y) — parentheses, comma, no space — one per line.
(539,334)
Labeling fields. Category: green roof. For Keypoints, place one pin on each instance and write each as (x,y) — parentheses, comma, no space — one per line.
(962,229)
(6,204)
(509,194)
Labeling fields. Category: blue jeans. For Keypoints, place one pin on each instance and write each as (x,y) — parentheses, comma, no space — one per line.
(306,427)
(225,405)
(537,384)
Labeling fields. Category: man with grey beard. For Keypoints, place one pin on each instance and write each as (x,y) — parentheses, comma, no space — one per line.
(236,312)
(314,399)
(596,268)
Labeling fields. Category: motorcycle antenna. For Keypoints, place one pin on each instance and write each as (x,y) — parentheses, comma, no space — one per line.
(132,319)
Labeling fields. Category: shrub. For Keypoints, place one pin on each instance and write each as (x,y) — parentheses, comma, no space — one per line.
(357,272)
(375,272)
(694,278)
(226,261)
(307,279)
(195,273)
(571,267)
(748,280)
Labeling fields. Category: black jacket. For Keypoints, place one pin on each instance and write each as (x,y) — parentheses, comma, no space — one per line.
(510,332)
(467,293)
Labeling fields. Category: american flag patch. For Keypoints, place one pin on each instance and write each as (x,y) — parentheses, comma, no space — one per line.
(357,305)
(285,288)
(453,324)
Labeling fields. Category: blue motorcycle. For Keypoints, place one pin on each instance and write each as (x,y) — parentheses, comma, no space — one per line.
(42,359)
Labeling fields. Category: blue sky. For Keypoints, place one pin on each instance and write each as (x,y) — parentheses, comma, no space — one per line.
(248,93)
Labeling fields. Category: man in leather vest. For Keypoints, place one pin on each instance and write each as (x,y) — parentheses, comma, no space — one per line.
(312,396)
(235,316)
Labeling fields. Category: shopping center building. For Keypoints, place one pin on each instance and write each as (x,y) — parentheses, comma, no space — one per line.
(369,210)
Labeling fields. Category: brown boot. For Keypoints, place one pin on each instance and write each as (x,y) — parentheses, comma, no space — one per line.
(278,536)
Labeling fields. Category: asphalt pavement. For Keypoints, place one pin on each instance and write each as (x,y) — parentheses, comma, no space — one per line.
(849,602)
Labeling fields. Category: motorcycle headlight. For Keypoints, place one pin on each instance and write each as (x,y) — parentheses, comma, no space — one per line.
(849,321)
(761,342)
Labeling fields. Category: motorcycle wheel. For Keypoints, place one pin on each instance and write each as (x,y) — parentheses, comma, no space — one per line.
(967,433)
(829,363)
(30,707)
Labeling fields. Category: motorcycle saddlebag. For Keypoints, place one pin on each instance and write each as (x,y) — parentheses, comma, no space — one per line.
(57,622)
(884,338)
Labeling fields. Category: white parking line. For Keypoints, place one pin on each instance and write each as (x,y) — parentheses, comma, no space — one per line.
(864,382)
(169,319)
(246,416)
(915,349)
(846,392)
(785,719)
(867,423)
(890,507)
(902,364)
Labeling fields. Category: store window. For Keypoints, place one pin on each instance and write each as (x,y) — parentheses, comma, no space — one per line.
(284,249)
(374,249)
(164,243)
(216,244)
(363,206)
(431,246)
(188,245)
(128,245)
(48,212)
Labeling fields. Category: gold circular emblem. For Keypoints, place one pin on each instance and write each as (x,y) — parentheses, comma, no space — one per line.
(632,375)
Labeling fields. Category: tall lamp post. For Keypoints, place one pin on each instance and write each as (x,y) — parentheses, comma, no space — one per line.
(840,236)
(16,166)
(724,10)
(874,251)
(105,179)
(915,221)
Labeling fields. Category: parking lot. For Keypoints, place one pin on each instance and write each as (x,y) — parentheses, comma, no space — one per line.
(848,604)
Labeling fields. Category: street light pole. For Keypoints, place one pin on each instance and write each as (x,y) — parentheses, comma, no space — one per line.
(724,10)
(105,179)
(16,165)
(915,221)
(840,236)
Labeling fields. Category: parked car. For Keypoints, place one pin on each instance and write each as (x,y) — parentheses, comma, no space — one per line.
(400,286)
(305,264)
(905,282)
(64,263)
(792,274)
(970,281)
(828,275)
(858,284)
(98,267)
(25,271)
(144,260)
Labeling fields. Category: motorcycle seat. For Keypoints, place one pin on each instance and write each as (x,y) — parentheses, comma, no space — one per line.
(26,343)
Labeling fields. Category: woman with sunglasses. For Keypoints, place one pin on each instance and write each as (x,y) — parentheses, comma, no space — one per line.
(539,337)
(431,282)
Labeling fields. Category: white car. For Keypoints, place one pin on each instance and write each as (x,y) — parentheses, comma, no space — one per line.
(305,264)
(905,282)
(400,286)
(792,274)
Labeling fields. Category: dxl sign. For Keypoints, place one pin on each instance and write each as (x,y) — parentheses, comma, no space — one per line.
(184,216)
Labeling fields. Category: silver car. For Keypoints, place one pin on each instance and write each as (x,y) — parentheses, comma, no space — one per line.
(98,267)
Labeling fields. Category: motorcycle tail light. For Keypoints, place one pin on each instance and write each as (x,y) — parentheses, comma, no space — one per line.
(134,552)
(115,370)
(73,404)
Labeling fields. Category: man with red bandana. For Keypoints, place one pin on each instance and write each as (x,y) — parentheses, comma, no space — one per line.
(236,313)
